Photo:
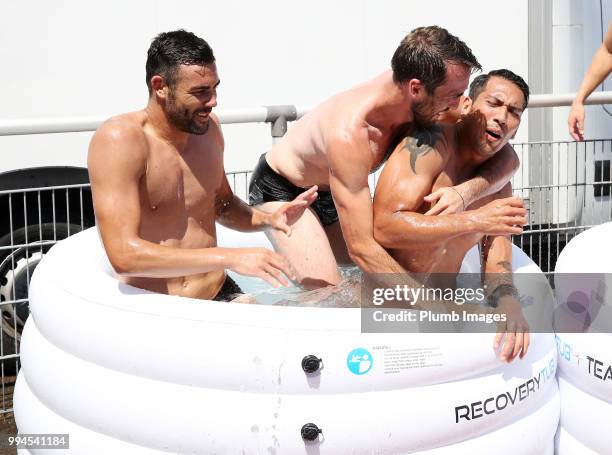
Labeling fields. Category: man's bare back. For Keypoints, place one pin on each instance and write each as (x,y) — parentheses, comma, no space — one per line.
(301,155)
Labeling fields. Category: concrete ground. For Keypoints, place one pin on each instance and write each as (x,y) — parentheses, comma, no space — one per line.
(7,419)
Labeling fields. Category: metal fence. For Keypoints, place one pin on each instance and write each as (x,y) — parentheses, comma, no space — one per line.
(566,187)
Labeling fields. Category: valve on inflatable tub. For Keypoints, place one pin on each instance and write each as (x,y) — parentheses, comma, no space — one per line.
(311,364)
(310,432)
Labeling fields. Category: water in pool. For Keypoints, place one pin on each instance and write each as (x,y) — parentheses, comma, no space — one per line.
(345,295)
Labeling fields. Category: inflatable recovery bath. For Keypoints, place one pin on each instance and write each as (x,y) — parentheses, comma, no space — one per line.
(122,370)
(583,283)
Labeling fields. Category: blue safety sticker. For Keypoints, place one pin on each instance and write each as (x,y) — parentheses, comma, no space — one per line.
(359,361)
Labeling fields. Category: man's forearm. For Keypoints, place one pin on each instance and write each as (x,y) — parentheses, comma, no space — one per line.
(598,70)
(491,177)
(372,258)
(497,266)
(411,230)
(237,215)
(140,258)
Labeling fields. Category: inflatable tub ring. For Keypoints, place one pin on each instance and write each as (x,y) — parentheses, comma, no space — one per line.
(583,286)
(123,370)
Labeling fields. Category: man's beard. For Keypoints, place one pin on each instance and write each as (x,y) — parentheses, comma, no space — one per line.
(423,115)
(181,119)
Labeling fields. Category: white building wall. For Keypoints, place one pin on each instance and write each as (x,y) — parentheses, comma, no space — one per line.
(69,57)
(577,33)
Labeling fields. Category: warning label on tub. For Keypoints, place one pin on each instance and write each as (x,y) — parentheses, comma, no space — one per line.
(398,360)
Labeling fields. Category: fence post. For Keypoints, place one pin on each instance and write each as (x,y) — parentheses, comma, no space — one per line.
(278,116)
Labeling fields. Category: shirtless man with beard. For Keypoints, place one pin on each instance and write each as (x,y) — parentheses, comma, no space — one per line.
(448,155)
(159,185)
(339,143)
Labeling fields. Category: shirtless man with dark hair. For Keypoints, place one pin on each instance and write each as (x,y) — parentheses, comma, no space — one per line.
(339,143)
(448,155)
(159,185)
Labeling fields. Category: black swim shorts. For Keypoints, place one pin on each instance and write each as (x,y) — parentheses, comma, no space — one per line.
(266,186)
(229,291)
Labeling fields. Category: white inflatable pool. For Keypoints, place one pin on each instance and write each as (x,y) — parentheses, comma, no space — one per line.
(583,279)
(124,370)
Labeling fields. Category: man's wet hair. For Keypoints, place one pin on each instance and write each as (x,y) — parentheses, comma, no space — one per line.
(170,49)
(480,82)
(424,53)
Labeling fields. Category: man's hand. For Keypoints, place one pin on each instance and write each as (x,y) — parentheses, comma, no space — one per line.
(575,121)
(445,201)
(290,212)
(514,331)
(500,217)
(262,263)
(472,126)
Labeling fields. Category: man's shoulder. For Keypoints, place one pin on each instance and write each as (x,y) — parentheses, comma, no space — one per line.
(438,133)
(439,138)
(129,126)
(215,126)
(428,146)
(357,105)
(120,136)
(347,110)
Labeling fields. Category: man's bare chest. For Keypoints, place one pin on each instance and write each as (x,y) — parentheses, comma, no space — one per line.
(173,182)
(452,175)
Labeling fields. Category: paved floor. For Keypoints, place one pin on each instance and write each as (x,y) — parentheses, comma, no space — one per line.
(7,419)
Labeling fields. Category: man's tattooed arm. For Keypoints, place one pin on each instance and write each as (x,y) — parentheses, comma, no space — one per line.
(422,142)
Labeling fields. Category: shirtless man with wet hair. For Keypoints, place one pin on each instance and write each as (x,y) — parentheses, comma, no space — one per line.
(339,143)
(447,155)
(159,185)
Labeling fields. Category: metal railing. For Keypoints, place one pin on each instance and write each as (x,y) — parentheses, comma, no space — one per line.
(277,116)
(569,192)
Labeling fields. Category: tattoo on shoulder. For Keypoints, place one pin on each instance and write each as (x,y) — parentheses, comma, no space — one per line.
(422,142)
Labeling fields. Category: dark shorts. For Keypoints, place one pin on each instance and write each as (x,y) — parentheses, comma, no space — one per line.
(229,291)
(267,186)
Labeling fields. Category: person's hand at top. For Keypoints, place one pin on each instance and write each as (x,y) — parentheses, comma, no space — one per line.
(599,69)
